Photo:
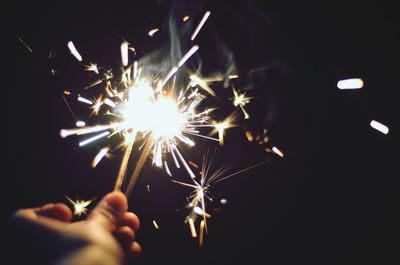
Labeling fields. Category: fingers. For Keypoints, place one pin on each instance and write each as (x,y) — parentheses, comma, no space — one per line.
(109,210)
(58,211)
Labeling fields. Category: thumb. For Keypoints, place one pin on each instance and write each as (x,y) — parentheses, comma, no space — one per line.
(107,212)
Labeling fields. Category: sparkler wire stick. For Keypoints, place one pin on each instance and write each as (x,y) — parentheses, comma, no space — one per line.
(124,163)
(139,165)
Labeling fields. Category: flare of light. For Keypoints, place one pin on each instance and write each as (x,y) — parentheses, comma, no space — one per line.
(80,124)
(155,225)
(379,126)
(277,151)
(94,138)
(80,206)
(92,67)
(85,100)
(25,45)
(102,153)
(124,53)
(352,83)
(241,100)
(185,18)
(74,51)
(153,31)
(200,25)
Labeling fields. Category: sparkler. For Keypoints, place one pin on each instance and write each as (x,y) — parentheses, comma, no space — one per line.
(153,118)
(80,206)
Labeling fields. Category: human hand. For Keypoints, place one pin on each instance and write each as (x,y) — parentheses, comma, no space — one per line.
(107,236)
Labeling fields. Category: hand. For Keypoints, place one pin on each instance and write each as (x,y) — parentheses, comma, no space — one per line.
(107,236)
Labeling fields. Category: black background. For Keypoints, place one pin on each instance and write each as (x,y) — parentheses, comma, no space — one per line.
(332,199)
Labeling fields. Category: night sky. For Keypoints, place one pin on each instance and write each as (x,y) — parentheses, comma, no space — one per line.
(333,199)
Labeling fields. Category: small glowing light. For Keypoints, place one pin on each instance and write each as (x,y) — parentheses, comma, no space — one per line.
(202,21)
(25,45)
(185,18)
(84,100)
(148,188)
(74,51)
(110,103)
(193,164)
(353,83)
(92,67)
(192,228)
(103,152)
(66,92)
(200,211)
(124,53)
(379,126)
(94,138)
(80,123)
(277,151)
(223,201)
(80,206)
(249,136)
(233,76)
(201,238)
(155,224)
(153,31)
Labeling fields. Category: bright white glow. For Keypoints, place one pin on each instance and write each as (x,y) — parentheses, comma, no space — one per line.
(379,126)
(223,201)
(277,151)
(202,21)
(153,31)
(155,224)
(94,138)
(74,51)
(187,55)
(353,83)
(124,53)
(99,156)
(84,100)
(110,103)
(80,123)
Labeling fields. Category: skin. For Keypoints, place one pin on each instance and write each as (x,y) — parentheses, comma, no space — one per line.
(106,236)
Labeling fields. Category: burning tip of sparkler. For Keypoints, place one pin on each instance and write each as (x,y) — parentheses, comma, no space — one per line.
(352,83)
(153,31)
(379,127)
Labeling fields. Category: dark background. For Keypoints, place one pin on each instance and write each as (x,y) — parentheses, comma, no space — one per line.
(332,200)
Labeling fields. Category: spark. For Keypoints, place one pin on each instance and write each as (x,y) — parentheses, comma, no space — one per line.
(202,21)
(223,201)
(74,51)
(379,126)
(233,76)
(153,31)
(249,136)
(192,228)
(277,151)
(94,138)
(92,67)
(352,83)
(80,206)
(201,83)
(103,152)
(85,100)
(185,18)
(25,45)
(201,237)
(66,92)
(220,127)
(241,100)
(155,225)
(80,124)
(124,53)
